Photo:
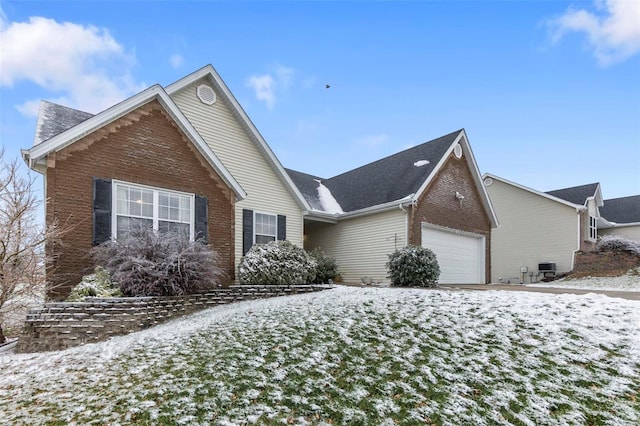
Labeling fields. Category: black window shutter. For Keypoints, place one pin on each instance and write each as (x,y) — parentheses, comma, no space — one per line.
(282,227)
(247,230)
(101,210)
(202,219)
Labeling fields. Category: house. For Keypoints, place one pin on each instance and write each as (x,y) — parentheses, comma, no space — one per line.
(541,228)
(186,156)
(622,217)
(430,195)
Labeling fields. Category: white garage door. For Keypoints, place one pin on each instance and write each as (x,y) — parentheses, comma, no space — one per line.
(460,256)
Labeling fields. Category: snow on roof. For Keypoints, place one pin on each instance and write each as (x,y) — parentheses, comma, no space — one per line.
(421,163)
(329,203)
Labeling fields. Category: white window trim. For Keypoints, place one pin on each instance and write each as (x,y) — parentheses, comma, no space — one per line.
(593,236)
(156,190)
(255,213)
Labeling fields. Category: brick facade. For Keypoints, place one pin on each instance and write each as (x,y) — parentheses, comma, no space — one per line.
(144,147)
(439,206)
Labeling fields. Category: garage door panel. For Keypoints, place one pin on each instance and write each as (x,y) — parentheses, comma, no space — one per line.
(460,256)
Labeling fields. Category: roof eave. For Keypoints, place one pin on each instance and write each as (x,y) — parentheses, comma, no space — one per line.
(403,202)
(37,153)
(577,207)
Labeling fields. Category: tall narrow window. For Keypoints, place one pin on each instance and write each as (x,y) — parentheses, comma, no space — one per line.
(159,209)
(265,228)
(593,228)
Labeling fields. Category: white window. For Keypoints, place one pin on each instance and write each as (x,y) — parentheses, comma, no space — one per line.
(265,228)
(159,209)
(593,228)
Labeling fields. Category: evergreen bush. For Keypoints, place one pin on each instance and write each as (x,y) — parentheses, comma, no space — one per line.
(97,284)
(413,266)
(326,269)
(277,263)
(147,263)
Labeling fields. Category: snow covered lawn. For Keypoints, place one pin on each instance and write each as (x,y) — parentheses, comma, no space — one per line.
(628,282)
(350,356)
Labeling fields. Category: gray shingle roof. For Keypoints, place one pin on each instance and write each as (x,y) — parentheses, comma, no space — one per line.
(54,119)
(577,194)
(308,186)
(622,210)
(383,181)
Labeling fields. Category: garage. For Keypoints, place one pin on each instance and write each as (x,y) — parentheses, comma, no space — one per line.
(460,254)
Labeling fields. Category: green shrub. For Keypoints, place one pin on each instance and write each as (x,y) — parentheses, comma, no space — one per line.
(413,266)
(326,269)
(97,284)
(277,263)
(147,263)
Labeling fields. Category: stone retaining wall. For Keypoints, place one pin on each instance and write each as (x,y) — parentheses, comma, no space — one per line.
(603,263)
(62,325)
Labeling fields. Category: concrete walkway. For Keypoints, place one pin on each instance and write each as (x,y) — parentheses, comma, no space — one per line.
(629,295)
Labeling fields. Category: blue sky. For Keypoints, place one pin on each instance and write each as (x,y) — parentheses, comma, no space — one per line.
(548,91)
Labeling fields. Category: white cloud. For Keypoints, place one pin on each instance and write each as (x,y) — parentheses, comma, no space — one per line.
(278,81)
(613,30)
(373,140)
(84,65)
(264,86)
(176,60)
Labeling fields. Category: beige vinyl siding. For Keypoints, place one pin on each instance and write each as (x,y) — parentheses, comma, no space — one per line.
(360,245)
(629,232)
(266,192)
(532,229)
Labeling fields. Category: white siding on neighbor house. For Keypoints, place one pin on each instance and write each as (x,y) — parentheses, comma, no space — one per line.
(360,245)
(266,192)
(533,229)
(628,232)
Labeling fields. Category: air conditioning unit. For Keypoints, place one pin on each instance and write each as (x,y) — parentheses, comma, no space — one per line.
(547,267)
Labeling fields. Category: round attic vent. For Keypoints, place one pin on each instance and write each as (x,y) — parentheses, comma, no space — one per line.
(488,182)
(206,94)
(457,150)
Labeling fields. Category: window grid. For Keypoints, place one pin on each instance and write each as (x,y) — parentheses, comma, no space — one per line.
(265,228)
(159,209)
(593,228)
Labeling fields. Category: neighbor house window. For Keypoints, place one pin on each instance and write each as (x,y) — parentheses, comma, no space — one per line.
(593,228)
(159,209)
(265,228)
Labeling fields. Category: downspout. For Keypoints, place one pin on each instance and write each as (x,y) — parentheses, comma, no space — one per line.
(406,224)
(573,256)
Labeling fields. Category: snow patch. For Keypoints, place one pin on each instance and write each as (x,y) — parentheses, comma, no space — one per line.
(329,203)
(421,163)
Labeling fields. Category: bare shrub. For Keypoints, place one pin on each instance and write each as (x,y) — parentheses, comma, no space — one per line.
(146,263)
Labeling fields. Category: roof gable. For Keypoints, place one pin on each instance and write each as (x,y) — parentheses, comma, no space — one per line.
(533,191)
(398,178)
(209,73)
(577,194)
(622,210)
(39,152)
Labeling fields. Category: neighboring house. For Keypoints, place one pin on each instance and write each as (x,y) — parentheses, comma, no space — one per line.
(430,195)
(540,228)
(622,217)
(185,156)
